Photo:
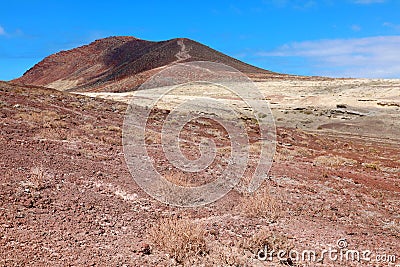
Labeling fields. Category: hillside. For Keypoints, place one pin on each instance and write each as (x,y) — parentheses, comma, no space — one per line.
(120,64)
(67,197)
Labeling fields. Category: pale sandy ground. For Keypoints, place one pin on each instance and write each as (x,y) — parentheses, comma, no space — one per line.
(366,107)
(63,84)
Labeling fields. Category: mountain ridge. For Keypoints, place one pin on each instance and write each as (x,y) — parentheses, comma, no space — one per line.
(121,64)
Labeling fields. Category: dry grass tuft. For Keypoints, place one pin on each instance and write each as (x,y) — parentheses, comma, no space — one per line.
(333,161)
(227,255)
(152,137)
(52,134)
(265,238)
(179,178)
(257,241)
(372,165)
(260,204)
(182,239)
(38,179)
(285,154)
(114,128)
(42,117)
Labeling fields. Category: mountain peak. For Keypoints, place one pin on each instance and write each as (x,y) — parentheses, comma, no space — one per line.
(120,63)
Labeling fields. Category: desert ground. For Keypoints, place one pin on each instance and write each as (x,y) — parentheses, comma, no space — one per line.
(67,197)
(369,107)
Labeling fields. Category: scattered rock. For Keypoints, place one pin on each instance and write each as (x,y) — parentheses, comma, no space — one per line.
(28,203)
(145,249)
(366,100)
(388,104)
(349,112)
(354,112)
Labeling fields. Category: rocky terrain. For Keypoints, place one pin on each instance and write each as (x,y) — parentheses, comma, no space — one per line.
(67,197)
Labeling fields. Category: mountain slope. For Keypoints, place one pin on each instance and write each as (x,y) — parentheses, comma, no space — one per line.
(120,64)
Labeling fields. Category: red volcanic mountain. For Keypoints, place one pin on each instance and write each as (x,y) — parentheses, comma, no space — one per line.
(118,64)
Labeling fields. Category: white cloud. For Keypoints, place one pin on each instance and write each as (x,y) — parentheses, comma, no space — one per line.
(391,25)
(355,27)
(2,31)
(360,57)
(367,2)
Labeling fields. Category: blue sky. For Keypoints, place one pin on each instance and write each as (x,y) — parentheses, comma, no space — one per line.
(345,38)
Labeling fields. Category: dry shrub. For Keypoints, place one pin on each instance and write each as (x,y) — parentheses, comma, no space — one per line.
(179,178)
(152,137)
(55,124)
(52,134)
(45,118)
(114,128)
(204,122)
(41,117)
(257,241)
(333,161)
(255,148)
(372,165)
(260,204)
(227,255)
(112,140)
(87,127)
(215,133)
(265,238)
(182,239)
(285,154)
(38,178)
